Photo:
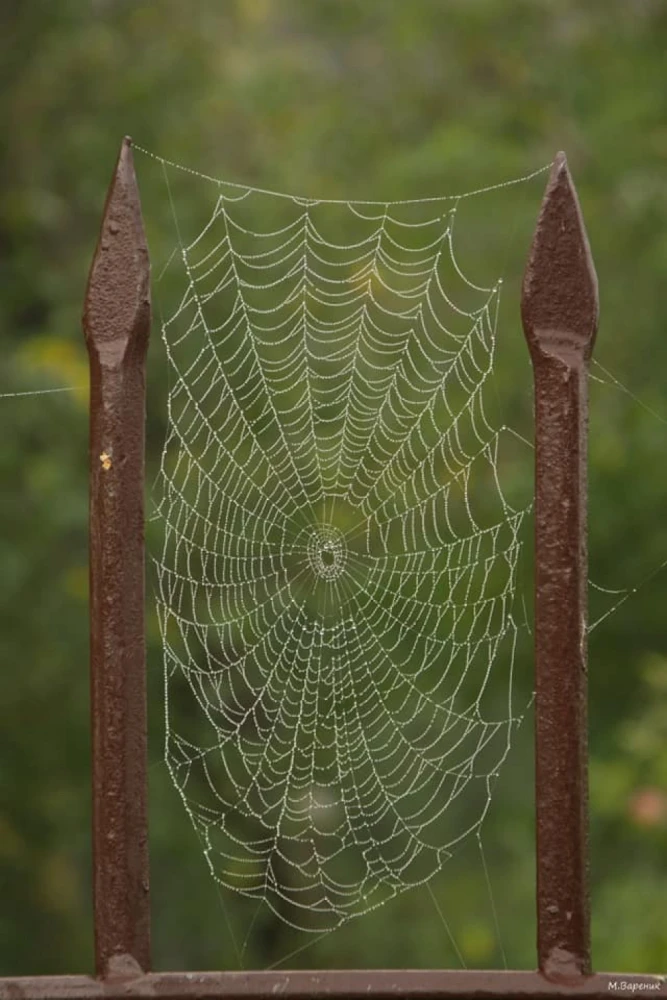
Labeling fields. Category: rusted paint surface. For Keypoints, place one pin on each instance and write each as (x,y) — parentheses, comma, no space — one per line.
(116,324)
(341,985)
(560,314)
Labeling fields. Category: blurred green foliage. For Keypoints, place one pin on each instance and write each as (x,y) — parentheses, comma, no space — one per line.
(356,99)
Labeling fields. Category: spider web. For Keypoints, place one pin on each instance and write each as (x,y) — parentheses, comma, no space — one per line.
(339,564)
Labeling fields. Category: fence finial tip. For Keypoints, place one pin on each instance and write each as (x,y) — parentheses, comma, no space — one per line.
(125,157)
(560,290)
(117,303)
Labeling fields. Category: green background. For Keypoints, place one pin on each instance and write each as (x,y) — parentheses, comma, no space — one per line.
(352,98)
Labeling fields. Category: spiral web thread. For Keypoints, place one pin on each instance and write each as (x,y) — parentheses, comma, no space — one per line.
(339,561)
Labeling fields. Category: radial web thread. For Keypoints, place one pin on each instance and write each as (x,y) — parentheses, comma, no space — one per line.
(339,563)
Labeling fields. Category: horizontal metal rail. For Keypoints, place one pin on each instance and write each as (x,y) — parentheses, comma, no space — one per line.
(339,985)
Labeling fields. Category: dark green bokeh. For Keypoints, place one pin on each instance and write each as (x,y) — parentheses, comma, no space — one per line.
(356,99)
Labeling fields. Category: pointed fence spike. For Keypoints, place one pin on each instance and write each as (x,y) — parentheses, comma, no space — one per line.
(559,302)
(559,310)
(116,321)
(117,307)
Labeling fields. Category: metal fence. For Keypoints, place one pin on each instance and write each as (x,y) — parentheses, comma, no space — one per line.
(560,312)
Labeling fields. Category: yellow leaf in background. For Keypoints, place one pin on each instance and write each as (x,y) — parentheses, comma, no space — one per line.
(255,11)
(477,942)
(63,362)
(58,883)
(76,582)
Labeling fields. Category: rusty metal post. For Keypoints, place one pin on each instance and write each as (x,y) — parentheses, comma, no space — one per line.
(559,309)
(116,324)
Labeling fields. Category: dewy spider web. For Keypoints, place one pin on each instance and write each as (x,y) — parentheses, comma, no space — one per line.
(339,561)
